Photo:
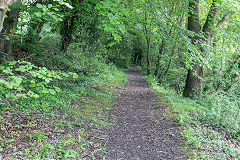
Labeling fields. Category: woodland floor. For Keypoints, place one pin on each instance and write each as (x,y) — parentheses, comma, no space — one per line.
(141,130)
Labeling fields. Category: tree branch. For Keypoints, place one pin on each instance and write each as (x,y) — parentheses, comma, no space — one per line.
(211,18)
(224,20)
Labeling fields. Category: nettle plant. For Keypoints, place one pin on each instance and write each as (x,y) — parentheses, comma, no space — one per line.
(21,79)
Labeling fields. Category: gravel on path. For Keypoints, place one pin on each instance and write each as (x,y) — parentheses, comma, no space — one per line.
(141,131)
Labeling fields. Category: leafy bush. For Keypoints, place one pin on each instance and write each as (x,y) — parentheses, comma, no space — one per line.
(70,114)
(83,61)
(21,79)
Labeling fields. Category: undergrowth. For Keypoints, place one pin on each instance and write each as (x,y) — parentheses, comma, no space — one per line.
(60,118)
(211,124)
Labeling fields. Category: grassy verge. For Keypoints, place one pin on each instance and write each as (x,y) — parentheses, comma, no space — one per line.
(60,126)
(210,124)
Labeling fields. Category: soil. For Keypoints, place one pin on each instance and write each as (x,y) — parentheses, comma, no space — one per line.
(141,132)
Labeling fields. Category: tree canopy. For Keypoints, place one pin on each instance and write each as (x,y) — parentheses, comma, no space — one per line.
(190,46)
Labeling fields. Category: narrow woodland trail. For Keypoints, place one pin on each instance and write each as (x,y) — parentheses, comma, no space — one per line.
(141,131)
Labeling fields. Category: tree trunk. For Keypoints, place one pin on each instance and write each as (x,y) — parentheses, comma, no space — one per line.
(9,24)
(148,38)
(4,4)
(161,47)
(194,81)
(67,30)
(195,75)
(64,33)
(170,61)
(148,54)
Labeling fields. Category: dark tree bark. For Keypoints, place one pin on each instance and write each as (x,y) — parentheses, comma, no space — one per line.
(194,81)
(170,61)
(4,5)
(64,33)
(208,27)
(195,75)
(160,52)
(148,54)
(148,38)
(9,24)
(68,27)
(70,23)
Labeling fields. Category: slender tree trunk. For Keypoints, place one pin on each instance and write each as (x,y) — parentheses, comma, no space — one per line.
(148,38)
(148,54)
(170,61)
(64,33)
(67,30)
(161,48)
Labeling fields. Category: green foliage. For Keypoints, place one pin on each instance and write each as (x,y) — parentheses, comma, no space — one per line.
(208,120)
(21,79)
(46,13)
(211,144)
(83,61)
(34,13)
(90,37)
(121,54)
(51,42)
(112,19)
(77,104)
(37,136)
(113,75)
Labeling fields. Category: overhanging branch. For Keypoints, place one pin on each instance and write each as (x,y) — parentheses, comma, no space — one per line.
(223,20)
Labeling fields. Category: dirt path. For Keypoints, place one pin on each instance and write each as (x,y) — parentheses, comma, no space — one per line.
(141,132)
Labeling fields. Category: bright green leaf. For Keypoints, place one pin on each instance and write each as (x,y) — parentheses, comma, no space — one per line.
(39,5)
(12,63)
